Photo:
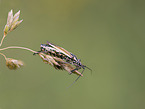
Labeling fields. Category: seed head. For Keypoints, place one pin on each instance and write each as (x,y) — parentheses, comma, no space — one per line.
(12,22)
(13,63)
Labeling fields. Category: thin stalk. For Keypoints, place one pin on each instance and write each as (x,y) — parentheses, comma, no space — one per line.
(2,40)
(3,55)
(19,48)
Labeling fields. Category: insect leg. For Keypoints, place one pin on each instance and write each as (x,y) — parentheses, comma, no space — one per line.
(77,78)
(77,68)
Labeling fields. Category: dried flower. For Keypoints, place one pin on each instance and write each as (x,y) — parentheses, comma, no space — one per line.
(12,22)
(13,63)
(48,59)
(58,63)
(66,66)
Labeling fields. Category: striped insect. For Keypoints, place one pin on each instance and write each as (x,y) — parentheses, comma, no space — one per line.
(59,52)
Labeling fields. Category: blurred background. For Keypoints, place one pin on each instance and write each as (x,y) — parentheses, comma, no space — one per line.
(108,37)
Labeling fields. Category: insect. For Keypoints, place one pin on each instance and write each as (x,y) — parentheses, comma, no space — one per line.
(59,52)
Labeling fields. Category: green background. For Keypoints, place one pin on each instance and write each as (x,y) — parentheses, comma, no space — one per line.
(107,35)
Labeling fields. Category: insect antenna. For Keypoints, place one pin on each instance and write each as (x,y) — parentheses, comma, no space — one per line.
(77,78)
(88,68)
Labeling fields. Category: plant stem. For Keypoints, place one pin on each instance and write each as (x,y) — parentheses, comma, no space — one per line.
(19,48)
(2,40)
(3,55)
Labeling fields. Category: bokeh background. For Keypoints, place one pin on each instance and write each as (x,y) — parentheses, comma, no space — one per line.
(107,35)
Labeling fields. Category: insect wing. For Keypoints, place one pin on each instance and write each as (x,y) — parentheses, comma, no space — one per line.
(60,49)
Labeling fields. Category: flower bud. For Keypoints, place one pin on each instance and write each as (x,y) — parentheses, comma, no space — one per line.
(10,18)
(6,29)
(13,63)
(15,25)
(12,22)
(16,17)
